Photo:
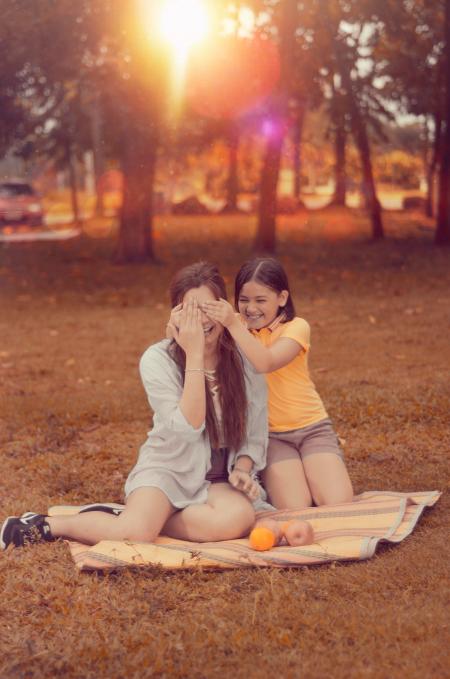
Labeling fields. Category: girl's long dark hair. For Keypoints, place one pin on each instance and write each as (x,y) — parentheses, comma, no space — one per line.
(267,271)
(230,369)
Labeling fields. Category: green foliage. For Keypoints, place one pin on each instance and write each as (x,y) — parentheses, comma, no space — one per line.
(399,168)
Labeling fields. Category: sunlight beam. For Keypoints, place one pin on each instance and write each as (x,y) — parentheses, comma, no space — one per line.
(182,24)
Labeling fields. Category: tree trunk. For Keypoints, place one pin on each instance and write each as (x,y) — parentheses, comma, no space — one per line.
(265,238)
(442,234)
(135,243)
(340,139)
(98,151)
(368,186)
(359,131)
(297,130)
(432,164)
(232,185)
(277,116)
(362,142)
(71,165)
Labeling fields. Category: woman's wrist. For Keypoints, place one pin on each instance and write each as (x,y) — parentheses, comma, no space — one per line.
(244,464)
(194,362)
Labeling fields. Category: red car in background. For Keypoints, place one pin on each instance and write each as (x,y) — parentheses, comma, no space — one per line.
(19,204)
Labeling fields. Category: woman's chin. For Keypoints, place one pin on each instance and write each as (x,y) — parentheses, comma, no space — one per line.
(212,340)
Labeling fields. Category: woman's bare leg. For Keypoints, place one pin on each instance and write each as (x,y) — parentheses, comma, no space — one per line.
(328,479)
(145,513)
(227,514)
(286,484)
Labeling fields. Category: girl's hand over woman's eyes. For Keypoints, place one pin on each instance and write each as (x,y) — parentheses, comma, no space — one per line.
(220,310)
(189,334)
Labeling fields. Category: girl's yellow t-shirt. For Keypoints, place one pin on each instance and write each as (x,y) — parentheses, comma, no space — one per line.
(293,400)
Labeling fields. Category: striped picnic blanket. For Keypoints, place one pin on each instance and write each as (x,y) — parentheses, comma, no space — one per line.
(343,532)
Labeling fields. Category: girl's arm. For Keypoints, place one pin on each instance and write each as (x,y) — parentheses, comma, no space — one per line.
(264,359)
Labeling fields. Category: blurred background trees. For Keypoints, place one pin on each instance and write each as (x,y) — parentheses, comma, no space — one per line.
(283,95)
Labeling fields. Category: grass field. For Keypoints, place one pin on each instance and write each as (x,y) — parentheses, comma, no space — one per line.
(73,414)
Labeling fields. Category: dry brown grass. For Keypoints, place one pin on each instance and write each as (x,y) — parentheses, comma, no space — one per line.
(72,328)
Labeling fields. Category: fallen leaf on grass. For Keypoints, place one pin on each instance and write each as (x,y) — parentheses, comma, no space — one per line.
(91,427)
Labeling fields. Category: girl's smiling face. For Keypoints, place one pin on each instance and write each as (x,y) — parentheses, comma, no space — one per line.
(259,304)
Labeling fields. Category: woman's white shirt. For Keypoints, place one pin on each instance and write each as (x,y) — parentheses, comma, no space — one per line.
(176,456)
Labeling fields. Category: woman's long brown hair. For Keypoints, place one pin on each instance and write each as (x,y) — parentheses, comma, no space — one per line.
(230,369)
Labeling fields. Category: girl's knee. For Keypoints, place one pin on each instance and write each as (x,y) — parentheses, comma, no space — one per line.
(333,497)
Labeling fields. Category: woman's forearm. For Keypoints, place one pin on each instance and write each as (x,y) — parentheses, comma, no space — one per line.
(193,400)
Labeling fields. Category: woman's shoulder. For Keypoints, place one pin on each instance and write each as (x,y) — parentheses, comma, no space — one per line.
(156,355)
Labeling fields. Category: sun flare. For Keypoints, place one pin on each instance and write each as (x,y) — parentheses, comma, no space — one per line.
(183,23)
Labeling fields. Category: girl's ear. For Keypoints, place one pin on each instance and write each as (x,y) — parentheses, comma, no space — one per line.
(283,298)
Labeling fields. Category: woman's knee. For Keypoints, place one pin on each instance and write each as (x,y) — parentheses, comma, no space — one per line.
(147,510)
(135,529)
(235,521)
(144,535)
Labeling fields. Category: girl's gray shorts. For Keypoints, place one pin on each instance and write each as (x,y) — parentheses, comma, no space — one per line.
(319,437)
